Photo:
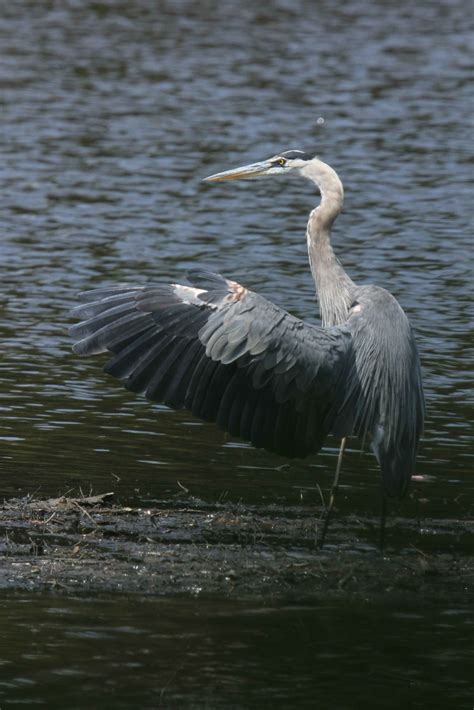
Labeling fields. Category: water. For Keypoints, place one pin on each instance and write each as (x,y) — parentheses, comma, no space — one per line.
(160,653)
(111,113)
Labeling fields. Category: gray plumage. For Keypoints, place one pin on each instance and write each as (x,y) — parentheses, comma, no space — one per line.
(232,357)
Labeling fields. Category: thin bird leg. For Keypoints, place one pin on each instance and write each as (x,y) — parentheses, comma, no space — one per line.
(383,518)
(335,486)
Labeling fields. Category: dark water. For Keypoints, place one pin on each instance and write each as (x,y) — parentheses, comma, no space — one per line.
(206,654)
(111,113)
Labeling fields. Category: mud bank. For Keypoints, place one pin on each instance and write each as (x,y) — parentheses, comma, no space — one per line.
(191,547)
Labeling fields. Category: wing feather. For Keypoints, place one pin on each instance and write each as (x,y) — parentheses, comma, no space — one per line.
(384,395)
(226,354)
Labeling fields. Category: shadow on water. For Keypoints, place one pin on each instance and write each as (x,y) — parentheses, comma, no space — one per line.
(111,114)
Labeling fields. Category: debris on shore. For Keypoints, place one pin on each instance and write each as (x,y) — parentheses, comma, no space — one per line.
(188,546)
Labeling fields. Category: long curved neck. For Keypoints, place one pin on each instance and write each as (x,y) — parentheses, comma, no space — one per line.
(333,286)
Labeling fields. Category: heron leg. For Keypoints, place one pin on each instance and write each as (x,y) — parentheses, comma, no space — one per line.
(383,518)
(332,496)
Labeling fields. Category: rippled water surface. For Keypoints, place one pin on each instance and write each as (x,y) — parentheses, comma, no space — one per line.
(162,653)
(111,113)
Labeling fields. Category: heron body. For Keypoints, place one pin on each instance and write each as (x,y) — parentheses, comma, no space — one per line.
(232,357)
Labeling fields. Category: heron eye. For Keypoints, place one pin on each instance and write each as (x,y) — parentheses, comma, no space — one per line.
(280,161)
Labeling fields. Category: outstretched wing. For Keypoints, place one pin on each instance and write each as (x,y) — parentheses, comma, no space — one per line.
(225,353)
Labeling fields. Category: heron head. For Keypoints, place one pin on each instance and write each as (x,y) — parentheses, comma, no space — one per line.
(279,164)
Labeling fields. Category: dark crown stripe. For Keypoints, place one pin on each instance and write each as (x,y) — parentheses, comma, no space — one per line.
(300,154)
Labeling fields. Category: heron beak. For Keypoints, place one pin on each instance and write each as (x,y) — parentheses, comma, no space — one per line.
(246,172)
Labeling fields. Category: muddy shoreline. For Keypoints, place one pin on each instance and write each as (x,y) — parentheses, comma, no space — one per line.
(188,546)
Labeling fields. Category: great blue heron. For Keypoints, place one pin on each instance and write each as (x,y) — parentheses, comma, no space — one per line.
(233,357)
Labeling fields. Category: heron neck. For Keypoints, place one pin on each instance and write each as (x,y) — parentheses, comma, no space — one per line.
(333,286)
